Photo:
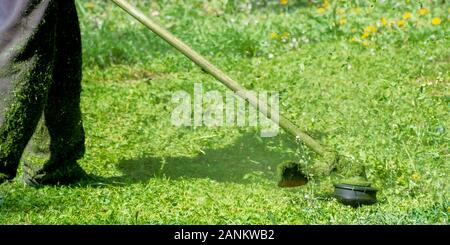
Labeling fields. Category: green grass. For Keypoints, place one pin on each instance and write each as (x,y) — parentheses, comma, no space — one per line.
(385,105)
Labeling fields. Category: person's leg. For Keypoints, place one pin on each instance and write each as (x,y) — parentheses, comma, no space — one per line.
(62,111)
(27,31)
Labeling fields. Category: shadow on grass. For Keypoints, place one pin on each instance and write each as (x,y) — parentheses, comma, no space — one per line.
(248,159)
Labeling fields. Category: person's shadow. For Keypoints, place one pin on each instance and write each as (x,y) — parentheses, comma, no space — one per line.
(249,159)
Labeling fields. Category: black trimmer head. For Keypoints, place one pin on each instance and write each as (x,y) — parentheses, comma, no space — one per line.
(355,195)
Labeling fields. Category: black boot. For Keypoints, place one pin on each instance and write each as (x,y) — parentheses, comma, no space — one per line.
(67,174)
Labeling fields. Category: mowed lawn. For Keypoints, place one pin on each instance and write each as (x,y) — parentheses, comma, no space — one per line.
(369,80)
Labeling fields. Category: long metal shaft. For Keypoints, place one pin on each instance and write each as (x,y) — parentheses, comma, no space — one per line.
(198,59)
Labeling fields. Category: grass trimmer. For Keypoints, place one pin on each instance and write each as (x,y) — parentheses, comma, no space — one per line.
(355,190)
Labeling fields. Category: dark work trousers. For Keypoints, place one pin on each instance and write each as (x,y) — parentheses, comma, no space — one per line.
(40,77)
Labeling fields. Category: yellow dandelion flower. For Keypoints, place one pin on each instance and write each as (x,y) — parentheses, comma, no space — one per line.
(424,11)
(365,43)
(371,28)
(436,21)
(325,4)
(343,21)
(407,15)
(273,35)
(353,40)
(284,2)
(321,10)
(341,11)
(365,34)
(384,21)
(415,177)
(401,23)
